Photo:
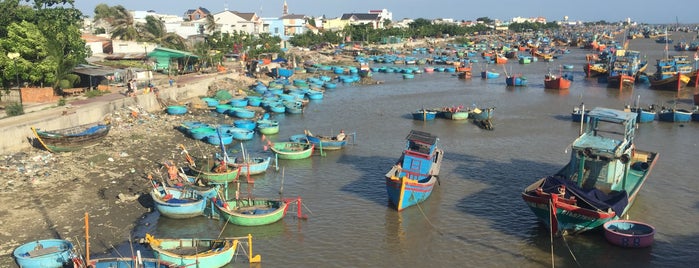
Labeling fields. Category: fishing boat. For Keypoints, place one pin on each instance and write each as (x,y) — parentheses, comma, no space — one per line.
(119,262)
(292,150)
(454,113)
(579,113)
(49,253)
(674,115)
(625,65)
(489,75)
(252,212)
(268,127)
(251,165)
(602,179)
(424,114)
(72,138)
(482,113)
(193,252)
(552,81)
(645,114)
(411,180)
(177,203)
(672,82)
(336,142)
(515,81)
(629,234)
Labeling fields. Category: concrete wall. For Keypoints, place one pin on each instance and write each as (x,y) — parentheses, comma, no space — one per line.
(16,131)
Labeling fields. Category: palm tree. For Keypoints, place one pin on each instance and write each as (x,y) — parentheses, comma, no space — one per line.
(210,24)
(120,20)
(154,31)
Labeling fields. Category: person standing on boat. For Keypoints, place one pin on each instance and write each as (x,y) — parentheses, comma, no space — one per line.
(341,136)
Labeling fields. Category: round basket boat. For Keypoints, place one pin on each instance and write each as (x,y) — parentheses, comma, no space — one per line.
(629,234)
(176,109)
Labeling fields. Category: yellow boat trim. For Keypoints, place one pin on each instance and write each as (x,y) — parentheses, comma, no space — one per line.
(44,144)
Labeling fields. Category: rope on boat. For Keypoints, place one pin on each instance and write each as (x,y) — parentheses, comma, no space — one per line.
(427,219)
(571,252)
(553,262)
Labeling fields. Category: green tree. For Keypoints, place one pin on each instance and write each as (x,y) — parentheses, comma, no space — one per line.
(122,25)
(210,25)
(154,31)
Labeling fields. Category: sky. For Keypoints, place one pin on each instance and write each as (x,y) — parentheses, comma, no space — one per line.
(552,10)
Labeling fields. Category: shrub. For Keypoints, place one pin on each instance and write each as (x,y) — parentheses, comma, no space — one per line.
(14,109)
(65,84)
(62,102)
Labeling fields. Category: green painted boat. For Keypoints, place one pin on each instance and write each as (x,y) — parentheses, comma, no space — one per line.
(210,171)
(268,127)
(252,212)
(292,150)
(193,252)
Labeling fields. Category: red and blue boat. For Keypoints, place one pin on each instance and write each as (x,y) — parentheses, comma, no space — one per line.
(602,179)
(411,180)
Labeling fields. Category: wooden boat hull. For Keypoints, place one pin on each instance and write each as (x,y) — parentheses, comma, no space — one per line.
(424,115)
(205,170)
(482,114)
(292,150)
(621,81)
(557,83)
(675,115)
(255,165)
(180,204)
(629,234)
(252,212)
(673,83)
(71,139)
(403,192)
(461,115)
(52,253)
(194,252)
(130,263)
(326,142)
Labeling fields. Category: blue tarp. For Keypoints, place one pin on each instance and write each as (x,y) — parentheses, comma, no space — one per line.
(590,199)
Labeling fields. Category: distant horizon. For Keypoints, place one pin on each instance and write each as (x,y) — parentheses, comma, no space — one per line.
(589,11)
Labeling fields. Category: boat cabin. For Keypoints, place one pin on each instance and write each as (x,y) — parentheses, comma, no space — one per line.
(419,155)
(601,155)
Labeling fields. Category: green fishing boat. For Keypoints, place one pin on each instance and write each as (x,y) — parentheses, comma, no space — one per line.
(252,212)
(292,150)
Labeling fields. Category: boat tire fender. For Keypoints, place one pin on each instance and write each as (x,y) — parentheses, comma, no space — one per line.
(587,151)
(625,158)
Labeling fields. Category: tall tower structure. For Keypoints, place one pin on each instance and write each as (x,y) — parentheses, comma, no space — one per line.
(285,10)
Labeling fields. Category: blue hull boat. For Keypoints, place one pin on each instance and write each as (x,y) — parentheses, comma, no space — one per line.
(675,115)
(424,115)
(412,179)
(47,253)
(327,142)
(178,203)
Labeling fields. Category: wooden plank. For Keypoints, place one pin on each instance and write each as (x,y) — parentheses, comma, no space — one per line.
(43,251)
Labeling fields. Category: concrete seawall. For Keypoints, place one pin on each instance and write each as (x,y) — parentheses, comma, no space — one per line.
(16,131)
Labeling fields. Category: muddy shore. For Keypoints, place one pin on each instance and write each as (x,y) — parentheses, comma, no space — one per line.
(45,195)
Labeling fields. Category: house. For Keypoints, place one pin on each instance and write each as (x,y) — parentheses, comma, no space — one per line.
(275,27)
(294,24)
(363,18)
(196,14)
(335,24)
(233,21)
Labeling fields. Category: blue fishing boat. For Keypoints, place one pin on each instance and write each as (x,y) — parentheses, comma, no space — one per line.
(674,115)
(46,253)
(268,127)
(176,110)
(251,165)
(579,113)
(424,114)
(411,180)
(602,179)
(489,75)
(178,203)
(336,142)
(645,114)
(516,81)
(241,134)
(245,124)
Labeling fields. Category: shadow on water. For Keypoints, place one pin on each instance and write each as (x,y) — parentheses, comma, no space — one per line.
(370,185)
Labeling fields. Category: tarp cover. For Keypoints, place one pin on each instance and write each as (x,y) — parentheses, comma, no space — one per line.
(591,199)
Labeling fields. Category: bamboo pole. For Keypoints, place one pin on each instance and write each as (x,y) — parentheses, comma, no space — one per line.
(87,239)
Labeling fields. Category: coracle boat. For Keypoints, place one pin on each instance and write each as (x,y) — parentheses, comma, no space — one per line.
(292,150)
(336,142)
(73,138)
(196,252)
(411,180)
(629,234)
(602,179)
(252,212)
(178,203)
(424,115)
(47,253)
